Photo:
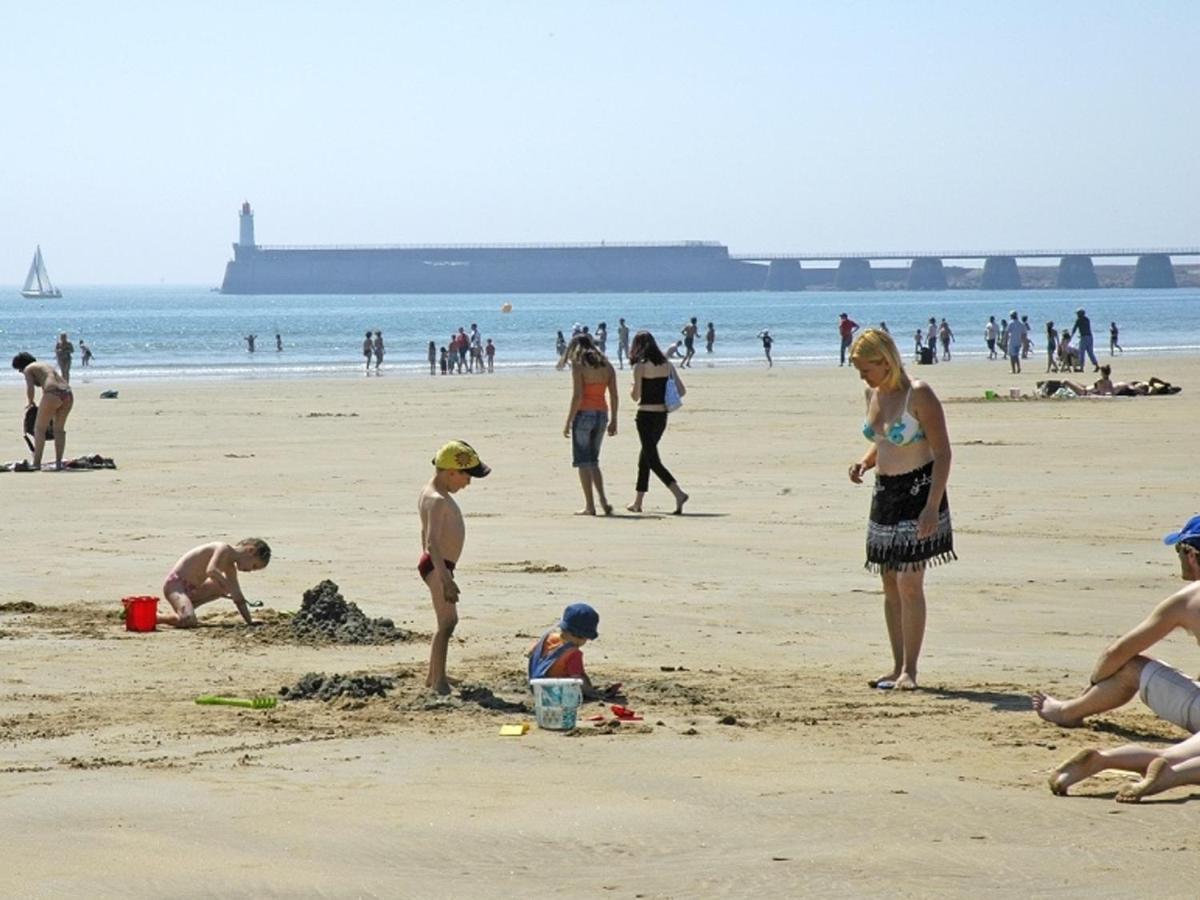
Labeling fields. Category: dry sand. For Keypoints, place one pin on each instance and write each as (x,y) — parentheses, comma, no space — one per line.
(753,609)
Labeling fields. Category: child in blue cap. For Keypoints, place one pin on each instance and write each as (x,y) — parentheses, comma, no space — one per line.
(559,652)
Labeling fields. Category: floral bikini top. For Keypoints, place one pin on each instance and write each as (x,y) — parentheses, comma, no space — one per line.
(904,431)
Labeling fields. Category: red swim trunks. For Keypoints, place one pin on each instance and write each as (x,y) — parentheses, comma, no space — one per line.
(425,565)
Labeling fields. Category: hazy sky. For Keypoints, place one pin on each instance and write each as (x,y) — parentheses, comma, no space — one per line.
(134,130)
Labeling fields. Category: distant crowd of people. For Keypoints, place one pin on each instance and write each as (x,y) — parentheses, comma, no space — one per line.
(1010,336)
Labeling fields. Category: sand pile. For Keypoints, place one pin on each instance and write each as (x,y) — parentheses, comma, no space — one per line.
(325,615)
(319,686)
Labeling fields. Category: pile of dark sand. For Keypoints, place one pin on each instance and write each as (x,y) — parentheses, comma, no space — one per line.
(319,686)
(326,616)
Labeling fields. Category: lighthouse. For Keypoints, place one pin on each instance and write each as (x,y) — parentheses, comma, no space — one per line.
(245,228)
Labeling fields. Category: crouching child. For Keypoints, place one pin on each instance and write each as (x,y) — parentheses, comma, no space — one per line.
(559,652)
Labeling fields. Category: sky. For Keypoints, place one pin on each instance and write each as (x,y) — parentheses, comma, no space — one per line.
(134,130)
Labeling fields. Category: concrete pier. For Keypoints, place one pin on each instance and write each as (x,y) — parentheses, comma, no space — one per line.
(1000,273)
(785,275)
(1154,271)
(1076,272)
(926,274)
(854,275)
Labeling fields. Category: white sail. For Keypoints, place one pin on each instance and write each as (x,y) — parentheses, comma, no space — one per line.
(37,282)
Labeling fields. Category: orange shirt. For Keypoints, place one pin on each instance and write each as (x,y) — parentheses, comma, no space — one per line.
(569,665)
(594,399)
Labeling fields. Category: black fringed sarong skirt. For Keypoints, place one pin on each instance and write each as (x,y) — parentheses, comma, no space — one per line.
(892,533)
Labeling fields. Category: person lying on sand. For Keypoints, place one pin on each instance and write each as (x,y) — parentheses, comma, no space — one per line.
(1122,670)
(1102,387)
(209,572)
(559,652)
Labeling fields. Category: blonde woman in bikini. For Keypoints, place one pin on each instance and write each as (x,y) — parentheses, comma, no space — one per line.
(909,527)
(55,406)
(589,417)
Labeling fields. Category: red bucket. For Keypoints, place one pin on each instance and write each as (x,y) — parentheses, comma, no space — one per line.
(141,613)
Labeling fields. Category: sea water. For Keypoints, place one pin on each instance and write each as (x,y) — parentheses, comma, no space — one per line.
(170,332)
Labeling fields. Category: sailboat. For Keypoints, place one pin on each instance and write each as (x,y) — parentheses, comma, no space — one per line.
(37,282)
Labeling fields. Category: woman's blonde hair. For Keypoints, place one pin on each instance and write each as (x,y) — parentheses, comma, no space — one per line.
(875,346)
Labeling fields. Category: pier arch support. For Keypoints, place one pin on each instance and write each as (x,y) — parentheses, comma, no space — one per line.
(1154,271)
(854,275)
(926,273)
(785,275)
(1000,273)
(1076,272)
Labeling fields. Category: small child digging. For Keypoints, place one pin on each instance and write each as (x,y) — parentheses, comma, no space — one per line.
(209,572)
(559,652)
(442,536)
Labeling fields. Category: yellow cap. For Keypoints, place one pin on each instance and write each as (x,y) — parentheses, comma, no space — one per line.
(461,456)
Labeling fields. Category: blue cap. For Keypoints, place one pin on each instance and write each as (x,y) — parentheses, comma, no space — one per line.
(581,619)
(1189,532)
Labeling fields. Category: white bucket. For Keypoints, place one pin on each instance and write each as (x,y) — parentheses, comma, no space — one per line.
(556,701)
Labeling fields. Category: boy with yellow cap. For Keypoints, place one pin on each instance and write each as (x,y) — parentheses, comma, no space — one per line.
(442,536)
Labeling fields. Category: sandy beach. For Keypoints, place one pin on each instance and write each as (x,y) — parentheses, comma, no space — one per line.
(744,633)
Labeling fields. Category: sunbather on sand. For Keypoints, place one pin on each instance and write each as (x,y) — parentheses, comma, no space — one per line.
(209,572)
(1153,388)
(1103,386)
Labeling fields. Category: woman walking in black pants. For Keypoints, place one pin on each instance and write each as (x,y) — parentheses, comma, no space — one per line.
(650,374)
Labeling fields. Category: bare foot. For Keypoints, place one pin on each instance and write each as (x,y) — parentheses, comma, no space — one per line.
(1051,710)
(905,683)
(607,507)
(585,512)
(1083,764)
(679,501)
(889,678)
(442,688)
(633,507)
(1151,783)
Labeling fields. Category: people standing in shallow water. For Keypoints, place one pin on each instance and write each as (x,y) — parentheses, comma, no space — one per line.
(589,417)
(250,339)
(368,350)
(909,527)
(86,359)
(432,355)
(1114,342)
(64,351)
(56,404)
(278,342)
(710,337)
(377,347)
(689,332)
(846,329)
(560,345)
(946,336)
(650,373)
(1086,347)
(767,341)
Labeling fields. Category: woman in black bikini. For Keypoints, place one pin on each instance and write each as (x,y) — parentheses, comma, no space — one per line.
(56,404)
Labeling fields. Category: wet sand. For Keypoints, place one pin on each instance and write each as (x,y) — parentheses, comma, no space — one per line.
(753,610)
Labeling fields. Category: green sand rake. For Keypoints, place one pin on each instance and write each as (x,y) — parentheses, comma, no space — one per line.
(260,702)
